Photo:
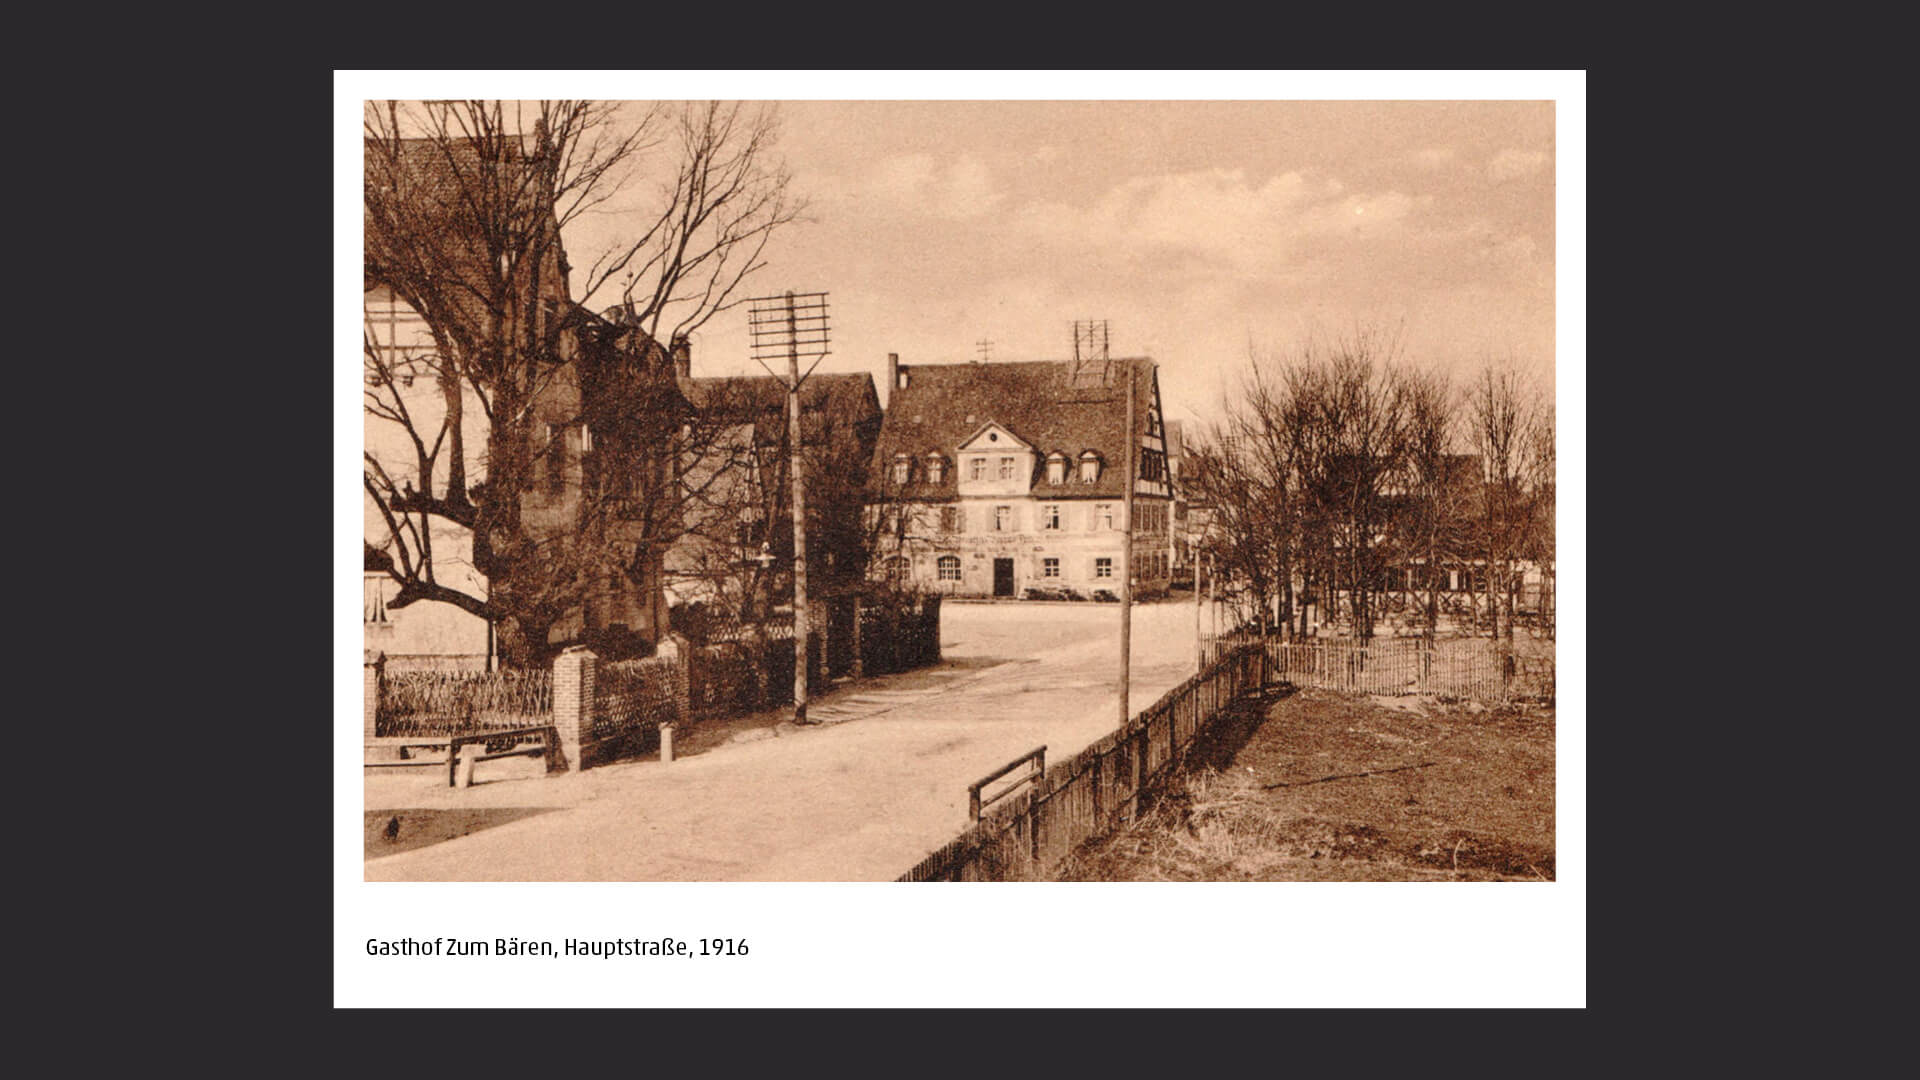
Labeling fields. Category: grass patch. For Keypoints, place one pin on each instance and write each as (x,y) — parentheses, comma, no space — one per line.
(1331,787)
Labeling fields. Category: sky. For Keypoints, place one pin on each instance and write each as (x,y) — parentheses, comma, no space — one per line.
(1202,231)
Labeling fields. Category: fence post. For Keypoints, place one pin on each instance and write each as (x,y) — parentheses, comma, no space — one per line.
(573,675)
(1137,758)
(376,669)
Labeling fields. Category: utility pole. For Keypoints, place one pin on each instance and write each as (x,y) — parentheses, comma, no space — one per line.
(1126,557)
(778,323)
(801,644)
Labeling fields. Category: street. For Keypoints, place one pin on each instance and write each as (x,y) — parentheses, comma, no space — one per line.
(861,798)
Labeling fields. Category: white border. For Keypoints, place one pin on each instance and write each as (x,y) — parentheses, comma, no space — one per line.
(1413,944)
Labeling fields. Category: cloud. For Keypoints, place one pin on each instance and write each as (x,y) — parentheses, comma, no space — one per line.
(1217,217)
(961,189)
(1513,164)
(1433,158)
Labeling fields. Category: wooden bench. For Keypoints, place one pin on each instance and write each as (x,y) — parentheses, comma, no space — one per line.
(547,744)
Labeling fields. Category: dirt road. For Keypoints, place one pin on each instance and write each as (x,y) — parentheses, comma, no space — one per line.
(861,798)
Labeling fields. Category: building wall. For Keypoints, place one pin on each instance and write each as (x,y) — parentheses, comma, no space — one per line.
(420,630)
(1082,539)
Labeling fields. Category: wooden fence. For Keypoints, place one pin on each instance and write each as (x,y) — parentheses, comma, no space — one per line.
(1461,667)
(1024,837)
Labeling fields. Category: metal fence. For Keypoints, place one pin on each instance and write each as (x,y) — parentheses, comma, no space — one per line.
(1025,836)
(422,703)
(634,696)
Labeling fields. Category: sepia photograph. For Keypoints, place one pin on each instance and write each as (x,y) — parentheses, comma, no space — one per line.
(884,481)
(959,490)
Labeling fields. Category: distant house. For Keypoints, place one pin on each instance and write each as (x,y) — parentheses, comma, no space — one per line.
(1179,538)
(736,486)
(992,479)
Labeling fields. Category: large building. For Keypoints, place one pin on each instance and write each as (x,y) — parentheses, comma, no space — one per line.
(575,556)
(1009,479)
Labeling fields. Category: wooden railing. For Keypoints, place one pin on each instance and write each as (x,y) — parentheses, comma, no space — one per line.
(1090,793)
(1037,756)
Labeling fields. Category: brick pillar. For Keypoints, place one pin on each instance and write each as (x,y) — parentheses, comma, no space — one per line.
(376,670)
(859,658)
(573,672)
(824,632)
(933,626)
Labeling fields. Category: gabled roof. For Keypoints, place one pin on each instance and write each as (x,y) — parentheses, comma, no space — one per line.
(992,430)
(1041,402)
(847,400)
(435,179)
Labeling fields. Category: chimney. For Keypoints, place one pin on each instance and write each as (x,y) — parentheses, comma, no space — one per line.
(896,379)
(682,352)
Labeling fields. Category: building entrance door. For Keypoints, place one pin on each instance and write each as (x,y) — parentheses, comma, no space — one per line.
(1003,577)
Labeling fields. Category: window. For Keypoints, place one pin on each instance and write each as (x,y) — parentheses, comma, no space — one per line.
(977,468)
(936,469)
(556,459)
(1002,519)
(902,469)
(949,568)
(1056,468)
(899,568)
(1006,468)
(1050,517)
(1049,567)
(1089,467)
(1105,514)
(1103,568)
(953,519)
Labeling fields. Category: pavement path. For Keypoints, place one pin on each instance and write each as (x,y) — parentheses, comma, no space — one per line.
(862,797)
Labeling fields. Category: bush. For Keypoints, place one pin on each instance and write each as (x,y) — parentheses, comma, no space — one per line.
(1105,596)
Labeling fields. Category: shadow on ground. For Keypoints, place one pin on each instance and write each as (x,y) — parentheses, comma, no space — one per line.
(712,732)
(390,832)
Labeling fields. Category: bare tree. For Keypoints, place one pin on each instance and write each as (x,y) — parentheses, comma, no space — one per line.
(1431,518)
(579,417)
(1245,528)
(1510,427)
(1344,410)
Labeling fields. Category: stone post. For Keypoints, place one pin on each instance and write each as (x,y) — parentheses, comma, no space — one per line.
(573,673)
(376,670)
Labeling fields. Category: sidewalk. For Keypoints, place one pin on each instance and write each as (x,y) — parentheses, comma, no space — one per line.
(862,797)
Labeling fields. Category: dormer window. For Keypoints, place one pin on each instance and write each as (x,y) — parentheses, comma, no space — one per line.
(1089,467)
(902,468)
(936,468)
(1056,468)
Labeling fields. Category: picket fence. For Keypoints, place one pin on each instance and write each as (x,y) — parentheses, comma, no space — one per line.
(1467,668)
